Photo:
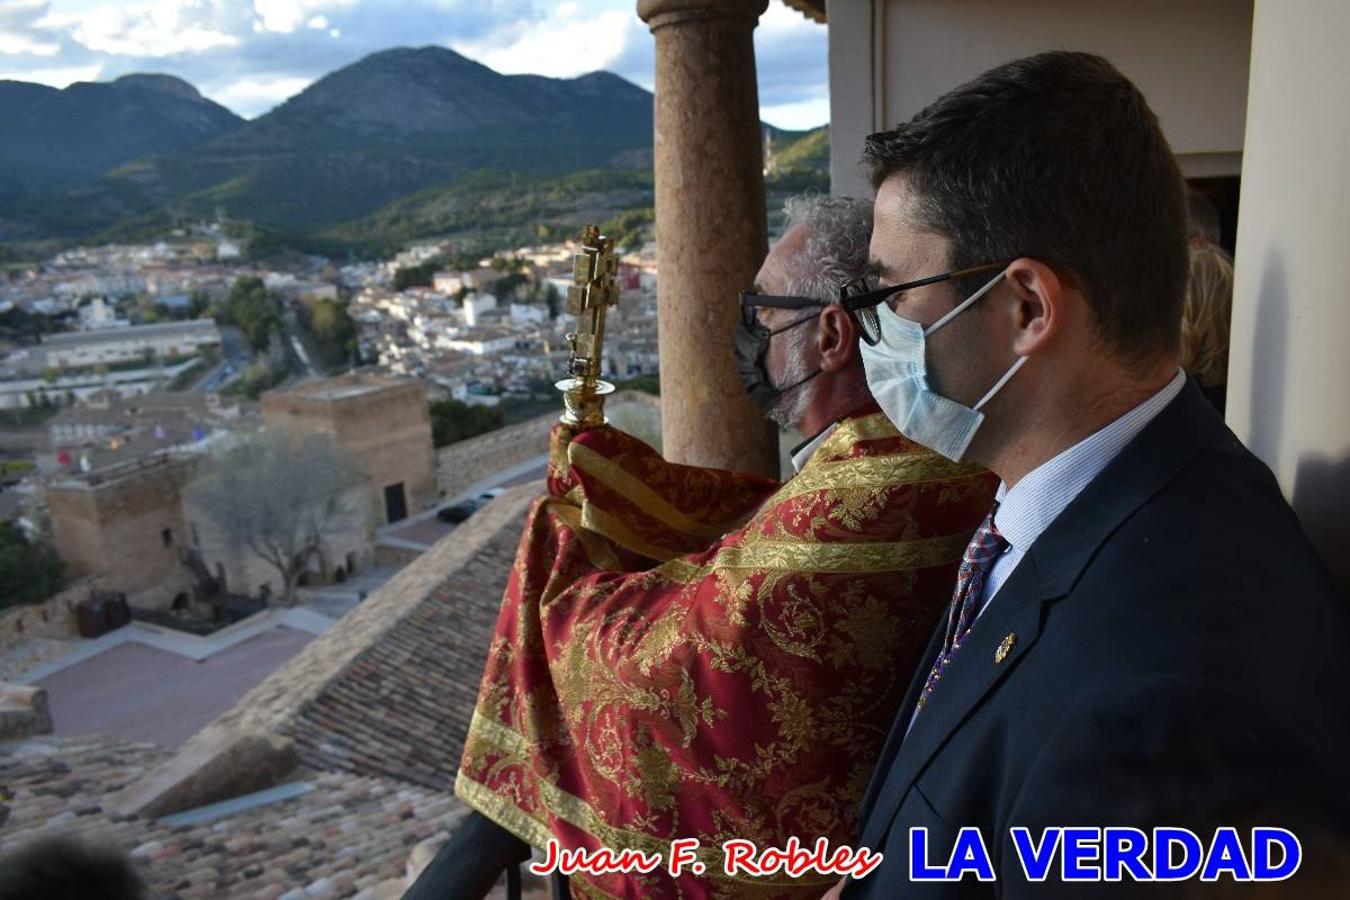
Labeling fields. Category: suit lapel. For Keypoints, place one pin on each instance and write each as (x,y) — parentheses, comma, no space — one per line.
(1047,572)
(977,667)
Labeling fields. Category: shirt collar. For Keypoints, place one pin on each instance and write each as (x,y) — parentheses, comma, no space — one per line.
(1028,508)
(805,451)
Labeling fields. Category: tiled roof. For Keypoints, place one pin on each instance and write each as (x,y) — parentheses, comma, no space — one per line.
(378,709)
(348,834)
(195,327)
(402,708)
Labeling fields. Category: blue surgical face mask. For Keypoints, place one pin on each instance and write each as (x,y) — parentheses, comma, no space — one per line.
(897,374)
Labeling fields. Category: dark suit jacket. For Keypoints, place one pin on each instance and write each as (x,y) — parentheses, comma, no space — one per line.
(1181,657)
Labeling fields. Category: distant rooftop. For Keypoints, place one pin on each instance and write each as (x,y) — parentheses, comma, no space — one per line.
(111,406)
(132,332)
(344,387)
(154,462)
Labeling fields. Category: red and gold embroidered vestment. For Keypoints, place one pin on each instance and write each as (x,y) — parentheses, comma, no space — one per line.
(687,652)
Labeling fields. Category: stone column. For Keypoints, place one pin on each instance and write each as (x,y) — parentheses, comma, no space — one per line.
(1289,363)
(710,226)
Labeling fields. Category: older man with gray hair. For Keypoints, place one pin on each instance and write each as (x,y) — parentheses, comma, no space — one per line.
(707,655)
(791,379)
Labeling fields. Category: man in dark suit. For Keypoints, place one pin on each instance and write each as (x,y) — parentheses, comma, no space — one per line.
(1140,635)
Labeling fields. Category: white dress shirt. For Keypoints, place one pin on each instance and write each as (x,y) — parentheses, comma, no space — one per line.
(807,450)
(1027,509)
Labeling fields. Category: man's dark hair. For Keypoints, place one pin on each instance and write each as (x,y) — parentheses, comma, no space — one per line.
(1059,158)
(64,868)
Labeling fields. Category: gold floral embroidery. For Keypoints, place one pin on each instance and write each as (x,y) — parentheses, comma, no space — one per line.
(757,674)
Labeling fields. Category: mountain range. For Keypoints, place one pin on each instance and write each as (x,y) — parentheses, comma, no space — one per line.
(402,144)
(54,137)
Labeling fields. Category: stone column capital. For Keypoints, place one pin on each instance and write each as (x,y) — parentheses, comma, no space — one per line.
(660,13)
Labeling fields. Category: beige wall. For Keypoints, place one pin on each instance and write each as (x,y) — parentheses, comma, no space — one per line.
(114,529)
(77,532)
(390,435)
(1289,367)
(387,430)
(464,463)
(890,58)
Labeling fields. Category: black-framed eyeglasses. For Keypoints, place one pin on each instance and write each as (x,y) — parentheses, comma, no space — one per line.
(751,301)
(860,297)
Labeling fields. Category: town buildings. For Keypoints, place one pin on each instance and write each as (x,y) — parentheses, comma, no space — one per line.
(111,346)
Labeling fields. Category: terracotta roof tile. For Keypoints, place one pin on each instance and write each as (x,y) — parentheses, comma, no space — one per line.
(348,833)
(402,708)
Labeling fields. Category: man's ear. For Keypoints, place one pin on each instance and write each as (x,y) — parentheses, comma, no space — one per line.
(836,339)
(1038,308)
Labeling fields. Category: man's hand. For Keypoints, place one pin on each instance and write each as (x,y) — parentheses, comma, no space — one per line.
(560,478)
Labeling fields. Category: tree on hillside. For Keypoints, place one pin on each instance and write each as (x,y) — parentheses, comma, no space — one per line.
(253,310)
(462,260)
(453,421)
(631,229)
(257,377)
(416,276)
(198,304)
(511,263)
(277,493)
(331,327)
(505,287)
(553,298)
(29,572)
(19,323)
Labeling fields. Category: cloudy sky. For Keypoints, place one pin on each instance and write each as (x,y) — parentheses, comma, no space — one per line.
(252,54)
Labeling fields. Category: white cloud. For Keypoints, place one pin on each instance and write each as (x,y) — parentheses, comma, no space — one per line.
(57,77)
(575,38)
(800,116)
(565,44)
(791,55)
(21,32)
(285,16)
(779,22)
(252,54)
(155,29)
(251,97)
(14,44)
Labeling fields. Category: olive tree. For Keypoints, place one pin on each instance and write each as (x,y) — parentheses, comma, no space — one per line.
(277,493)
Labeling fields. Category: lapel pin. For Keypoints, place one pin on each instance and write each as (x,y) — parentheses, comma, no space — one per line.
(1005,648)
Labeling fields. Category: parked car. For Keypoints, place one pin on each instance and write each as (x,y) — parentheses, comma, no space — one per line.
(458,512)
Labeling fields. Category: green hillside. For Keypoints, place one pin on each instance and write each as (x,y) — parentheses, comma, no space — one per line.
(402,145)
(810,151)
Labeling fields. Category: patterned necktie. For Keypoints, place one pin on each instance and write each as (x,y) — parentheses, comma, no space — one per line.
(981,552)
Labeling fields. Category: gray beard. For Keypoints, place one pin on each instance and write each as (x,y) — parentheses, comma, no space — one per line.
(793,403)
